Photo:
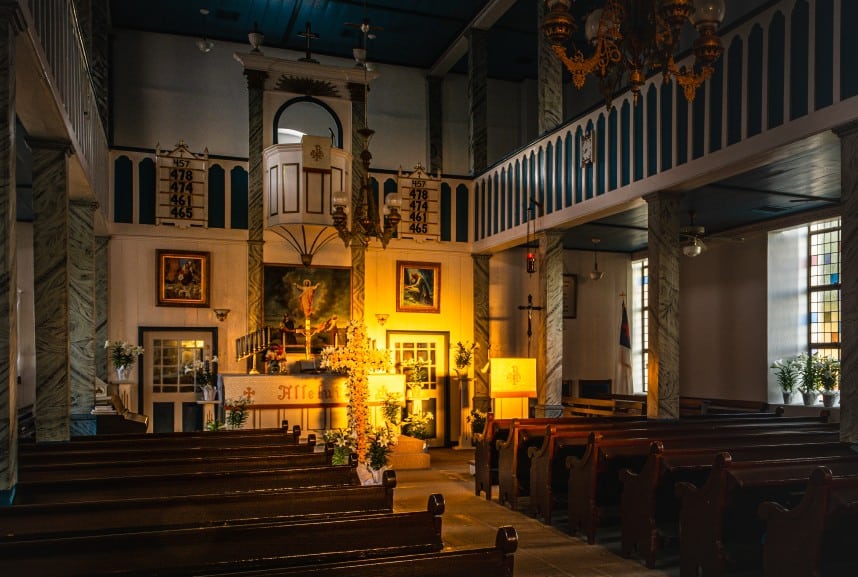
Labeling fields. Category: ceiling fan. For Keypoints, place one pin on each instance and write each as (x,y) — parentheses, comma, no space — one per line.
(693,239)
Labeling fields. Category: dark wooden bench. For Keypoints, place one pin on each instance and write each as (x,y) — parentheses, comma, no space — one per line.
(817,536)
(124,515)
(583,406)
(228,547)
(497,561)
(272,437)
(127,487)
(649,507)
(719,527)
(513,453)
(210,463)
(548,475)
(594,489)
(702,406)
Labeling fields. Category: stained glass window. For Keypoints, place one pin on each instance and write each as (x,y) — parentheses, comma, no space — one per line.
(824,288)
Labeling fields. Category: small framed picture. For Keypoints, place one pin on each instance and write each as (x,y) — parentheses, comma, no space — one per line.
(183,278)
(418,287)
(570,296)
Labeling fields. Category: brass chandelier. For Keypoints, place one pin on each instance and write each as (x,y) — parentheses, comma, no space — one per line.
(366,220)
(632,38)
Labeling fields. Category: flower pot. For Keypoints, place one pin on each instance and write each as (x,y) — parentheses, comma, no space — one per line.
(208,393)
(809,398)
(829,398)
(122,373)
(787,398)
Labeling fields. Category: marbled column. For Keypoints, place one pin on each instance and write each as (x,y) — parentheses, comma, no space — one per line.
(82,315)
(549,326)
(663,372)
(101,306)
(849,283)
(435,88)
(358,280)
(478,63)
(255,216)
(52,296)
(482,397)
(8,259)
(549,79)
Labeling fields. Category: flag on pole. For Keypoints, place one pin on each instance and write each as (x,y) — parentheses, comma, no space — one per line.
(624,366)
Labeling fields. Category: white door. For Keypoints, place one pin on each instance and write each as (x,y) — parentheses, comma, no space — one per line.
(169,392)
(433,350)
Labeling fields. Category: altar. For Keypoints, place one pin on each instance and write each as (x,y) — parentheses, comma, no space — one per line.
(317,402)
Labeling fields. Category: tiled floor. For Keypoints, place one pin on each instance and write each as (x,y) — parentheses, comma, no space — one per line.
(471,521)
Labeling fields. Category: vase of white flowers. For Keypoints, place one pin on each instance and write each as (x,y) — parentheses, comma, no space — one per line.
(123,356)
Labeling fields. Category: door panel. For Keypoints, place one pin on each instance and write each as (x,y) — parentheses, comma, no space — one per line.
(169,390)
(431,348)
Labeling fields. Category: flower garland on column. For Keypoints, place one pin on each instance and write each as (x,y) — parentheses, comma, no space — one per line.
(355,360)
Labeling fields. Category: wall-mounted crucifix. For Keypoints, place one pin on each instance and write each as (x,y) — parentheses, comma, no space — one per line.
(530,307)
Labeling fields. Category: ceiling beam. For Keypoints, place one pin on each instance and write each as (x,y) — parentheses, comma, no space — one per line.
(485,19)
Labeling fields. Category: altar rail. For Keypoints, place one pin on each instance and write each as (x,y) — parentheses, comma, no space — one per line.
(781,79)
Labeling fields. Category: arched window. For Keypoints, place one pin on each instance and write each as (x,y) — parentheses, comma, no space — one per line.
(306,115)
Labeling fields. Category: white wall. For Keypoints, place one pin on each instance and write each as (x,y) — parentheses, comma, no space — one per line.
(722,322)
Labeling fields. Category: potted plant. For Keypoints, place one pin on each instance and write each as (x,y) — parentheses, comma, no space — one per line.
(464,358)
(477,419)
(787,372)
(809,385)
(829,377)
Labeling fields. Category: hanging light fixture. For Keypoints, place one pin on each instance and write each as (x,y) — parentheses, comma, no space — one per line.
(595,274)
(204,44)
(632,38)
(366,220)
(531,243)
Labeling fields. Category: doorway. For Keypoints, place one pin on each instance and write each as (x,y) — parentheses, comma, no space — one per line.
(430,349)
(168,389)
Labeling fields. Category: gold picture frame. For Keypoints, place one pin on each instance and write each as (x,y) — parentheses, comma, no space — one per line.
(418,287)
(184,278)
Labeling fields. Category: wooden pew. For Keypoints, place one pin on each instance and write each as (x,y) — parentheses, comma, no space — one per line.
(719,527)
(649,507)
(513,458)
(273,437)
(62,455)
(702,406)
(593,481)
(126,487)
(210,463)
(124,515)
(580,406)
(817,536)
(494,561)
(231,546)
(548,472)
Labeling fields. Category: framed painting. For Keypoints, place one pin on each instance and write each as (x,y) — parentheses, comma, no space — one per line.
(418,287)
(298,298)
(184,278)
(570,296)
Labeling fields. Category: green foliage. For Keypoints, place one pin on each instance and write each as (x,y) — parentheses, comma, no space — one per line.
(236,414)
(381,443)
(810,369)
(214,426)
(391,409)
(787,372)
(417,425)
(829,373)
(477,419)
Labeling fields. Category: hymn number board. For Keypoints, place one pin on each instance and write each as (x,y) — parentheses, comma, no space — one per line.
(182,187)
(420,196)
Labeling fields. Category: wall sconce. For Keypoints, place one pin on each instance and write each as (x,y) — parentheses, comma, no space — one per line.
(221,314)
(381,318)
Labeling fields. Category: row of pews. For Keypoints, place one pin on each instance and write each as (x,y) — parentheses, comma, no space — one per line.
(722,492)
(226,504)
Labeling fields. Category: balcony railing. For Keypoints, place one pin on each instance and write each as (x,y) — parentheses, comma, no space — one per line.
(59,43)
(784,76)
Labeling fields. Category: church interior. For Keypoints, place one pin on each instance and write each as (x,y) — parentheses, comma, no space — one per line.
(494,223)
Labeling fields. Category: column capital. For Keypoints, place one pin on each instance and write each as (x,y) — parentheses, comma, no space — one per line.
(847,129)
(255,79)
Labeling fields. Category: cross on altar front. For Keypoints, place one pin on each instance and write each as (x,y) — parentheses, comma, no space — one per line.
(530,307)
